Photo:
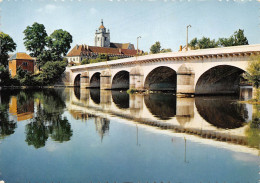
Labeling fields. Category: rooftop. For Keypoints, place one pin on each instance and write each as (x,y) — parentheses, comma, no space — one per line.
(20,56)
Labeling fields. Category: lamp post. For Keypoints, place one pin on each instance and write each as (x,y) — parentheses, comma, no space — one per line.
(137,45)
(187,38)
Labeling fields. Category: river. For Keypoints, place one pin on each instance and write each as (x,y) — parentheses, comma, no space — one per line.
(81,135)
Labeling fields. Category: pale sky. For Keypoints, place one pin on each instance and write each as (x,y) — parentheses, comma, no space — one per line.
(153,20)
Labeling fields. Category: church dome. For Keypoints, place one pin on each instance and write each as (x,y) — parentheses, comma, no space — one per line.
(101,26)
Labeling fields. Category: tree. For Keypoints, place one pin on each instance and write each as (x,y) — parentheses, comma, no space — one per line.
(165,50)
(238,38)
(84,61)
(156,47)
(194,43)
(35,39)
(59,44)
(51,72)
(7,44)
(205,42)
(253,74)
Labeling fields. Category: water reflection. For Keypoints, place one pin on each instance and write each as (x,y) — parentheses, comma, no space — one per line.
(48,121)
(102,126)
(160,105)
(42,109)
(7,126)
(185,110)
(222,112)
(95,95)
(121,99)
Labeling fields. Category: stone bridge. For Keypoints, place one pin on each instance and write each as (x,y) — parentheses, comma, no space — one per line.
(205,71)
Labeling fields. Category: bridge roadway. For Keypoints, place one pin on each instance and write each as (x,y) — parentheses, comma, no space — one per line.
(205,71)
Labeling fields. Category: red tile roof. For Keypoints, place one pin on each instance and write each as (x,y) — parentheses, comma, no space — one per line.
(21,56)
(88,50)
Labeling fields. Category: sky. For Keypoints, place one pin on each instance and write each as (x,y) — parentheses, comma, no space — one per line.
(153,20)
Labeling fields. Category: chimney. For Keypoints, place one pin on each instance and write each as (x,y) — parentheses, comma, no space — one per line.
(77,46)
(180,48)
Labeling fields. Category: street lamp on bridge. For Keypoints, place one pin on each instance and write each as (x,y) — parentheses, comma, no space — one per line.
(187,38)
(137,53)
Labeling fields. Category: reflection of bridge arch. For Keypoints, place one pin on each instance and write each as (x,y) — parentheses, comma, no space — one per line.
(121,99)
(121,80)
(95,80)
(95,95)
(77,80)
(162,106)
(221,79)
(161,78)
(221,113)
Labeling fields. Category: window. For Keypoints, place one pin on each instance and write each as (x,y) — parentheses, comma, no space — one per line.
(25,64)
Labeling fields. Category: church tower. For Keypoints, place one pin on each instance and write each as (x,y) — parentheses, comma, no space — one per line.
(102,37)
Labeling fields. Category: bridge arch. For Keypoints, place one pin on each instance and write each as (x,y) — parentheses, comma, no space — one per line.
(77,80)
(220,79)
(161,78)
(95,80)
(121,80)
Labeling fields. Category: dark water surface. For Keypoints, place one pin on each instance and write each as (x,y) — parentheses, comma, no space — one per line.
(74,135)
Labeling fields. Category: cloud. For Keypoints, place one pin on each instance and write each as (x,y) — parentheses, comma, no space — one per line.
(49,8)
(93,11)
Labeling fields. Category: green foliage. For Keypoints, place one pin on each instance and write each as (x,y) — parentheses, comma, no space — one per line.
(7,126)
(4,76)
(238,38)
(48,121)
(6,45)
(253,71)
(35,39)
(59,44)
(113,58)
(253,131)
(131,91)
(193,43)
(156,47)
(51,72)
(84,61)
(205,42)
(164,50)
(46,48)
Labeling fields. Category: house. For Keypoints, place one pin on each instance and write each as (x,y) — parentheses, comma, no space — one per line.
(102,46)
(23,60)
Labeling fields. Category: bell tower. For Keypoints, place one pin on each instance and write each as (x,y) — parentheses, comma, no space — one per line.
(102,37)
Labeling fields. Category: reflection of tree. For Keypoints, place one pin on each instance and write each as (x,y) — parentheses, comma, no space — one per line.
(161,105)
(36,134)
(253,131)
(48,120)
(7,127)
(221,112)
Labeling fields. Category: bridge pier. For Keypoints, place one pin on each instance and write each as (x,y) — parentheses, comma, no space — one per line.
(84,80)
(105,80)
(136,78)
(185,80)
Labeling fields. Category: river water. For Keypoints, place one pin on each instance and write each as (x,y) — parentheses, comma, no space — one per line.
(79,135)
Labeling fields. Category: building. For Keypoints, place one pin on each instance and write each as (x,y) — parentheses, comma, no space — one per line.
(102,46)
(23,60)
